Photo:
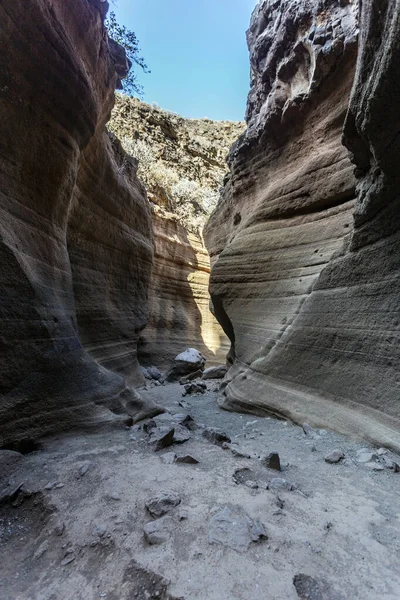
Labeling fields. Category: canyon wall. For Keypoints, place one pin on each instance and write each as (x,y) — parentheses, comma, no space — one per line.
(305,278)
(75,228)
(183,163)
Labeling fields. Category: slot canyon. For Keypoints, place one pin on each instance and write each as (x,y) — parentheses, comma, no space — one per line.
(199,357)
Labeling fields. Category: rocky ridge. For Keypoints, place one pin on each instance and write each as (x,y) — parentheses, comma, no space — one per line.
(75,231)
(313,242)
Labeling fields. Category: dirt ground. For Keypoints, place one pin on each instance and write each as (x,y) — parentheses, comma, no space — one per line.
(73,514)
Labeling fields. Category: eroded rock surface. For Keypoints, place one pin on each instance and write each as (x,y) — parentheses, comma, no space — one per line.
(182,163)
(75,228)
(309,304)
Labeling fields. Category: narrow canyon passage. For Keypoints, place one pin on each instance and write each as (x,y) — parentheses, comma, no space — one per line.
(199,357)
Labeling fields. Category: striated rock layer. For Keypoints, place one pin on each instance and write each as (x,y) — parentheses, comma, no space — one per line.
(75,228)
(183,163)
(179,312)
(307,292)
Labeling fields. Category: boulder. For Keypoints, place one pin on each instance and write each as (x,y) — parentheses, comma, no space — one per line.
(186,362)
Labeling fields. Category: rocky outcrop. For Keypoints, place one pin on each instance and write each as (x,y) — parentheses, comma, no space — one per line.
(310,304)
(75,228)
(183,163)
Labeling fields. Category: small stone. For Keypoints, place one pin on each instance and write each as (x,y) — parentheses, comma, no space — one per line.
(308,430)
(251,484)
(154,373)
(113,496)
(307,587)
(68,558)
(183,515)
(239,453)
(381,451)
(99,530)
(272,461)
(44,546)
(365,457)
(59,528)
(216,436)
(83,469)
(334,457)
(375,466)
(162,503)
(195,388)
(59,486)
(280,484)
(168,458)
(50,485)
(149,426)
(159,531)
(187,459)
(258,531)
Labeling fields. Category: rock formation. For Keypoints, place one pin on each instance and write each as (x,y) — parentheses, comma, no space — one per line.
(304,277)
(183,163)
(75,229)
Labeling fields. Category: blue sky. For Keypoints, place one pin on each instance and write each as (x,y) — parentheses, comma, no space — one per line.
(196,51)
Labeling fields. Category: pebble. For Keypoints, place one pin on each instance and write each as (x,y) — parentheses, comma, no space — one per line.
(365,457)
(280,484)
(183,515)
(375,466)
(308,430)
(99,530)
(44,546)
(216,436)
(334,457)
(251,484)
(113,496)
(168,458)
(83,469)
(59,528)
(239,453)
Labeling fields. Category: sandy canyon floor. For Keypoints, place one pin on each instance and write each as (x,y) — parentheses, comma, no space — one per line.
(74,523)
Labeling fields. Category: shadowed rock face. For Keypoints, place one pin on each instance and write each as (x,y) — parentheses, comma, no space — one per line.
(179,313)
(75,228)
(313,315)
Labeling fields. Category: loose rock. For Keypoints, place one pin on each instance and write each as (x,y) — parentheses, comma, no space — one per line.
(181,435)
(187,459)
(272,461)
(159,531)
(233,528)
(168,458)
(194,388)
(334,457)
(216,436)
(280,484)
(162,503)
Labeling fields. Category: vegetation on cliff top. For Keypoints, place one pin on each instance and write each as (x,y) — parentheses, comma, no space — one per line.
(182,162)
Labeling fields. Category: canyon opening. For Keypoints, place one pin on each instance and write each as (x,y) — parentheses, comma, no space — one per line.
(199,300)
